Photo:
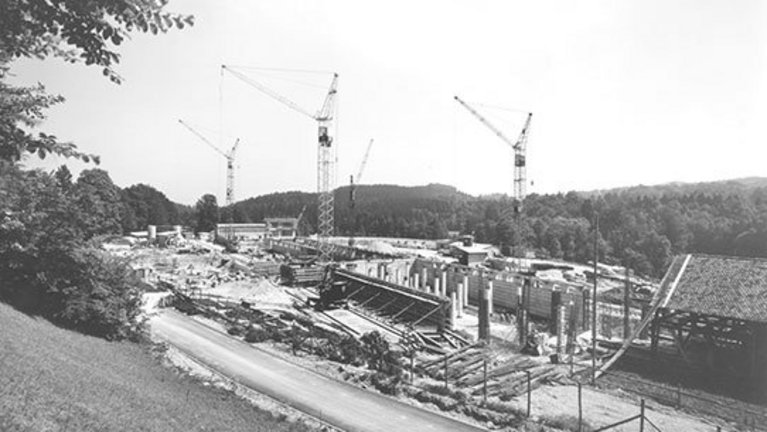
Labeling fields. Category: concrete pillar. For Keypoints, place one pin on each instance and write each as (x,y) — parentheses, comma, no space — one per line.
(459,297)
(522,311)
(484,312)
(627,306)
(424,279)
(556,300)
(465,289)
(416,281)
(443,284)
(490,295)
(453,310)
(561,330)
(151,232)
(437,289)
(177,229)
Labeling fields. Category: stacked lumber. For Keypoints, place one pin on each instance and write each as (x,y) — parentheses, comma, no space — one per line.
(301,276)
(265,268)
(457,360)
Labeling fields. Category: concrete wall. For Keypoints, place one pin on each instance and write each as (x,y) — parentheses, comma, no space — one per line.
(506,287)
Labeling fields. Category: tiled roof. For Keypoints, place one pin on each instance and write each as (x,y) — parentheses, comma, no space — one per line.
(727,287)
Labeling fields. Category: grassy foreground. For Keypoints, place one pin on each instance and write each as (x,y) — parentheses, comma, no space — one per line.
(57,380)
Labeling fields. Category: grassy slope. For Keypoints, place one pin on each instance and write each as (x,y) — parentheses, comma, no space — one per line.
(57,380)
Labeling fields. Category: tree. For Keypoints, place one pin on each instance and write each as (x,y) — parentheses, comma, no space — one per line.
(207,213)
(47,269)
(147,206)
(84,31)
(100,203)
(64,178)
(77,31)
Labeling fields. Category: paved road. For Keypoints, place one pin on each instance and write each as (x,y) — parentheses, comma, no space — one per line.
(340,404)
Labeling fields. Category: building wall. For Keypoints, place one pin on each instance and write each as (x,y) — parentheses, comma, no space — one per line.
(241,231)
(507,286)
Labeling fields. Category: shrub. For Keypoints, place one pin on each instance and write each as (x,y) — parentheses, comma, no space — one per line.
(235,330)
(565,423)
(385,383)
(379,355)
(256,335)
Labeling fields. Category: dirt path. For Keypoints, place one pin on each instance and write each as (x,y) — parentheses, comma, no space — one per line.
(600,409)
(337,403)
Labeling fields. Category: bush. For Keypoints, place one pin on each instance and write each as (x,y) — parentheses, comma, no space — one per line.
(379,355)
(386,384)
(565,423)
(441,390)
(46,266)
(350,351)
(442,402)
(256,335)
(235,330)
(91,292)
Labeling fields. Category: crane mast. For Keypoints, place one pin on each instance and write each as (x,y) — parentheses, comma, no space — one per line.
(352,188)
(326,158)
(520,164)
(326,154)
(230,173)
(519,147)
(230,160)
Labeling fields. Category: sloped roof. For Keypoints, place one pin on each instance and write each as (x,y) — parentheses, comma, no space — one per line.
(722,286)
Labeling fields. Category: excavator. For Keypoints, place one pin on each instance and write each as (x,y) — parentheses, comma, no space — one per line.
(332,295)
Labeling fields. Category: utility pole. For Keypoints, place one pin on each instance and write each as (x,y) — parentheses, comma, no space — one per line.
(594,303)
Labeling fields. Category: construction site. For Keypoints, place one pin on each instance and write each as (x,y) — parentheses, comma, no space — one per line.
(456,327)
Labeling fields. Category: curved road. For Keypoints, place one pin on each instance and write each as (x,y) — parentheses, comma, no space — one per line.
(340,404)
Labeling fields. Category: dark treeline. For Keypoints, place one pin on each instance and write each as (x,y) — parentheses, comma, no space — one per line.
(50,260)
(642,227)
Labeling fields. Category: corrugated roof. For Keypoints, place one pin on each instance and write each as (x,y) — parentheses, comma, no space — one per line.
(727,287)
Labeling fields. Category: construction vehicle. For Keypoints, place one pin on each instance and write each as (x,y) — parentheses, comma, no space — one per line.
(332,295)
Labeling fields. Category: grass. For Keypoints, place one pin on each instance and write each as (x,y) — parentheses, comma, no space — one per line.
(57,380)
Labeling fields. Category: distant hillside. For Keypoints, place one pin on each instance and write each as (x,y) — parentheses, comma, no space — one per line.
(641,226)
(58,380)
(379,209)
(740,185)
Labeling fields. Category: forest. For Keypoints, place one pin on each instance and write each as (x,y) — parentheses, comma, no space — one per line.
(642,227)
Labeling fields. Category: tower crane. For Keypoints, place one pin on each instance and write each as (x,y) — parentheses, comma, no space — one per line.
(520,153)
(325,151)
(229,156)
(352,188)
(300,216)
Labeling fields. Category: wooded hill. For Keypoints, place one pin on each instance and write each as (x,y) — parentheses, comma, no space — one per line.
(642,226)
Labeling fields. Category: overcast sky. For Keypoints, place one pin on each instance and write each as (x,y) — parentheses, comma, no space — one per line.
(622,93)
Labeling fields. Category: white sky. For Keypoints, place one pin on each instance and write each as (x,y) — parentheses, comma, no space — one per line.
(623,93)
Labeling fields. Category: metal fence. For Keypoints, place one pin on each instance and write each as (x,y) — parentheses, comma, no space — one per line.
(743,413)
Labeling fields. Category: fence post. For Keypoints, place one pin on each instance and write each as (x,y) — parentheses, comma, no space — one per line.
(641,417)
(445,372)
(580,408)
(529,393)
(412,366)
(484,380)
